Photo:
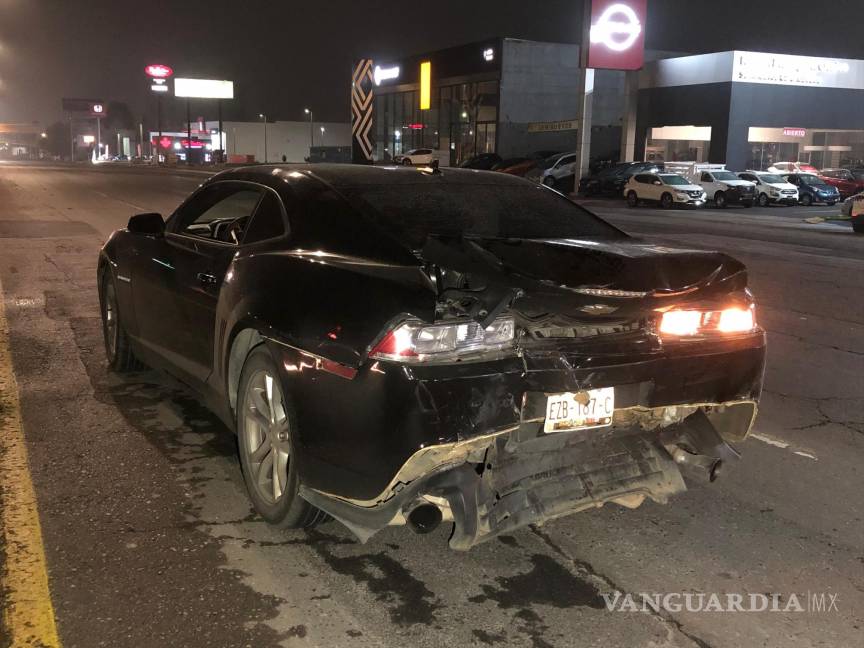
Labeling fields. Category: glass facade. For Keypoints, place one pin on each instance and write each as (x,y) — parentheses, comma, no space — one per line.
(461,122)
(820,147)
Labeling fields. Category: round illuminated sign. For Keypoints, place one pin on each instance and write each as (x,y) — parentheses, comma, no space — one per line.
(158,71)
(98,108)
(617,28)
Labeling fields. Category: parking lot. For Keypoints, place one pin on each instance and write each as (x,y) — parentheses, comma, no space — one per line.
(150,539)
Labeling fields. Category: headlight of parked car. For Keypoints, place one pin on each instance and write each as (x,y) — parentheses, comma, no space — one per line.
(413,341)
(684,323)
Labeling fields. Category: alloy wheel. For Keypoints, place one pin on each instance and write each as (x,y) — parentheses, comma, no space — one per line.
(267,436)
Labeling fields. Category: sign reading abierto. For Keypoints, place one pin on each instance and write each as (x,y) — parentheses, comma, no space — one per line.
(795,132)
(203,89)
(616,38)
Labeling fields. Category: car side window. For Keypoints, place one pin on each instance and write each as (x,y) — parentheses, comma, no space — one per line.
(268,221)
(219,212)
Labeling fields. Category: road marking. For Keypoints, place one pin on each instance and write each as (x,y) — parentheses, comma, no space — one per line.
(120,200)
(782,445)
(28,615)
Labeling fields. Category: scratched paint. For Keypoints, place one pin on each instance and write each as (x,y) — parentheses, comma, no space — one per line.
(28,615)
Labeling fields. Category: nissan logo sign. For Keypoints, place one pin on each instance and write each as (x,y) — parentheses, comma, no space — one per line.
(616,37)
(617,28)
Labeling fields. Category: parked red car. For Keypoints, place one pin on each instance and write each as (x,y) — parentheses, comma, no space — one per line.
(845,181)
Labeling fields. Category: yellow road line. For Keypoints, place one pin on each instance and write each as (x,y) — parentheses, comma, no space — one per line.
(28,616)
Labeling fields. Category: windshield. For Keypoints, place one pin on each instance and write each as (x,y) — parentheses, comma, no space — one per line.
(811,179)
(673,179)
(548,162)
(770,178)
(412,212)
(725,175)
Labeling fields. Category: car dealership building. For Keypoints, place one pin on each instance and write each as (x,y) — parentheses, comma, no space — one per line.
(515,97)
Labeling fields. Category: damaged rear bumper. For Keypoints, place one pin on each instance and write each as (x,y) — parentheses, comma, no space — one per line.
(501,482)
(484,462)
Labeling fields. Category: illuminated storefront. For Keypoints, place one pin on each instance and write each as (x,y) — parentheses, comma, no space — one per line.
(752,109)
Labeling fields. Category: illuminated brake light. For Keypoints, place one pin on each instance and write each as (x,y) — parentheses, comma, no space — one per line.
(681,323)
(736,320)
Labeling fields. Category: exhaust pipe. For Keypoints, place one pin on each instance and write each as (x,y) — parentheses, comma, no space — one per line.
(424,519)
(702,465)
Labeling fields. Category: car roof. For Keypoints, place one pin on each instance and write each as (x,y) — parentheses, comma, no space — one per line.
(348,175)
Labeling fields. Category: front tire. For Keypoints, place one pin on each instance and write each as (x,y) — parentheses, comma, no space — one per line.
(763,200)
(632,199)
(549,181)
(720,200)
(406,162)
(858,227)
(118,350)
(666,201)
(266,431)
(806,200)
(831,203)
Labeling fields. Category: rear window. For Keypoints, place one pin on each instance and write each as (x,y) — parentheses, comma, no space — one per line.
(412,212)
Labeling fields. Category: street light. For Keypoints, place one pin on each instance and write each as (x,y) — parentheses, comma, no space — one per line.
(311,130)
(322,136)
(263,118)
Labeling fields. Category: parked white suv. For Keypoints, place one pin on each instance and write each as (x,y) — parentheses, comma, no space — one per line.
(721,186)
(554,169)
(668,189)
(792,167)
(771,188)
(414,157)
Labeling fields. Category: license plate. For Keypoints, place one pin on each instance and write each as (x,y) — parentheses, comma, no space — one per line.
(579,410)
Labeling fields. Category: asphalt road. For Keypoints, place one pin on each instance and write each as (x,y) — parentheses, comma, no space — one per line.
(150,540)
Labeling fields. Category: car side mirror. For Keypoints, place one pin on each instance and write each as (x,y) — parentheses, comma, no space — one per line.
(658,183)
(150,224)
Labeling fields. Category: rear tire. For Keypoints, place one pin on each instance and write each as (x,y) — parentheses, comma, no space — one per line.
(720,200)
(632,199)
(858,226)
(118,350)
(407,162)
(266,422)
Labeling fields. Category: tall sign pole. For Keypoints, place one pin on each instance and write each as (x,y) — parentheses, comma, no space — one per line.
(159,75)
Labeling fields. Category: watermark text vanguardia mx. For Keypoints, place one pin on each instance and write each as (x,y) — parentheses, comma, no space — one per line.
(802,602)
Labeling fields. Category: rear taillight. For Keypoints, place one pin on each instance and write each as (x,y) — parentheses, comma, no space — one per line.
(689,323)
(413,342)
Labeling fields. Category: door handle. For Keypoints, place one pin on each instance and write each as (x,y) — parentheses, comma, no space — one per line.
(206,278)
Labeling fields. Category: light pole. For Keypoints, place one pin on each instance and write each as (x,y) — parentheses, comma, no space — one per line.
(311,131)
(322,136)
(263,118)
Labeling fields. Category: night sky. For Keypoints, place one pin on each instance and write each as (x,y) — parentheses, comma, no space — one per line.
(284,55)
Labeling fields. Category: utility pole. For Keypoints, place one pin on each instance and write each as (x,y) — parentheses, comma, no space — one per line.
(264,119)
(221,148)
(71,140)
(98,137)
(311,130)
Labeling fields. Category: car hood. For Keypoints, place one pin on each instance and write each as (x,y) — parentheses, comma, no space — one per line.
(737,183)
(561,275)
(781,185)
(688,187)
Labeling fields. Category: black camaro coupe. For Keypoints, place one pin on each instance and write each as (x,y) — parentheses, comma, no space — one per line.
(414,345)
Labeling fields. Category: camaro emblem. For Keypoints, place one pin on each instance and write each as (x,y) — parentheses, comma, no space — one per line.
(598,309)
(617,28)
